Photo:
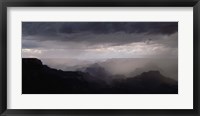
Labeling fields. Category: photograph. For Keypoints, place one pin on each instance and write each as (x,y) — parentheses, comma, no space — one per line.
(99,57)
(94,57)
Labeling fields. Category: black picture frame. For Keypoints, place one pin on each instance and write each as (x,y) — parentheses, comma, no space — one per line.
(98,3)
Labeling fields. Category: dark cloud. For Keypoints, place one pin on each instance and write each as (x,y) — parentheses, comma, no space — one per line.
(90,40)
(100,39)
(53,28)
(30,44)
(97,32)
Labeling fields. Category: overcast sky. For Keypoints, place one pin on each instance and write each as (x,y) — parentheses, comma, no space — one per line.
(94,40)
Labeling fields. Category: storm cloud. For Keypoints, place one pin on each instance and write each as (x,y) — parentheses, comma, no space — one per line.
(99,39)
(53,28)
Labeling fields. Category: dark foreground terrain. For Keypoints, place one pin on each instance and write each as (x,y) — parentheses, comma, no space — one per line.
(40,79)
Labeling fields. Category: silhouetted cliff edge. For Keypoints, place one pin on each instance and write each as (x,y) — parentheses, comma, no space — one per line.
(38,78)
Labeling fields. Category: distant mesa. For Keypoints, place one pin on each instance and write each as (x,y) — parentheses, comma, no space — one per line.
(31,62)
(41,79)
